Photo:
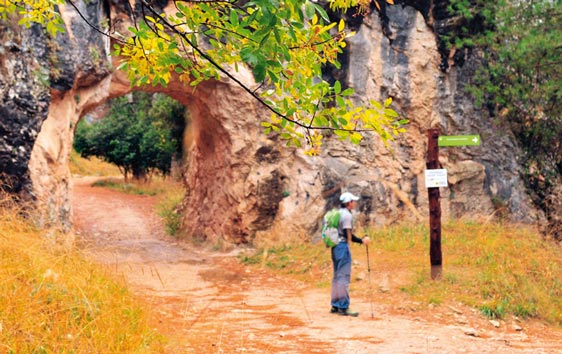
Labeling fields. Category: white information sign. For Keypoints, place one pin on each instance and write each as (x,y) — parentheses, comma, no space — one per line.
(436,178)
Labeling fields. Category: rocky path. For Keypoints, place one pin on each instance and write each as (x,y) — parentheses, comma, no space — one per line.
(208,302)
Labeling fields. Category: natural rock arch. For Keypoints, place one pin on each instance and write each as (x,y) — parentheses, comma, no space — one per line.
(222,155)
(245,187)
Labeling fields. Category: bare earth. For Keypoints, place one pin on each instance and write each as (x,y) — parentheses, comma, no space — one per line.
(207,302)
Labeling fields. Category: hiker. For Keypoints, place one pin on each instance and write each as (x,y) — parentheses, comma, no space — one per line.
(341,257)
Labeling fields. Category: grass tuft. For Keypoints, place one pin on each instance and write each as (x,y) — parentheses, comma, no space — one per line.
(169,206)
(92,166)
(132,187)
(54,301)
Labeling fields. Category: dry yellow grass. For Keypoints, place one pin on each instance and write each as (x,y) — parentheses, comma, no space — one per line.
(91,167)
(498,269)
(54,301)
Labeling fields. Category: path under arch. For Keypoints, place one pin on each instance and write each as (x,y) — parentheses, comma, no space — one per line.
(207,302)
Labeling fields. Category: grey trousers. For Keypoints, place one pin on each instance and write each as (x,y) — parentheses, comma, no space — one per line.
(341,259)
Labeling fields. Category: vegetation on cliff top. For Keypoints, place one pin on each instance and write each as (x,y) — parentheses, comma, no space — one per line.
(520,82)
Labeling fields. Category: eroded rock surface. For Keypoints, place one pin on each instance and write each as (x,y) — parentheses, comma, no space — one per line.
(243,186)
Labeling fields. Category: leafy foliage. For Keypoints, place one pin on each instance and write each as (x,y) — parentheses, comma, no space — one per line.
(522,47)
(285,44)
(36,11)
(136,136)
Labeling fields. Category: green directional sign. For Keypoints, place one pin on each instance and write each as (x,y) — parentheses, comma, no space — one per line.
(459,140)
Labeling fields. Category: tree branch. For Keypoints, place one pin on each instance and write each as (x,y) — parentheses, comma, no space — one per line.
(184,36)
(94,27)
(237,81)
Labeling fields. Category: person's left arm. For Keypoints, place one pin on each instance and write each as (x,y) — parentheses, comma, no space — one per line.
(356,239)
(362,241)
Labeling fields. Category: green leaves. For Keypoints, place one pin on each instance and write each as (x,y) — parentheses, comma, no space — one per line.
(309,9)
(41,12)
(521,79)
(337,88)
(285,43)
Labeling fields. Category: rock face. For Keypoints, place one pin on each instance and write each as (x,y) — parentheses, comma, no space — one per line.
(243,186)
(408,65)
(24,102)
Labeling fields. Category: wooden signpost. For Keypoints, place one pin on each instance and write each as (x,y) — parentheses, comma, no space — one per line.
(435,255)
(435,178)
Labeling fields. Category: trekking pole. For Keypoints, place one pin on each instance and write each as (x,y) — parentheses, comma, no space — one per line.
(370,286)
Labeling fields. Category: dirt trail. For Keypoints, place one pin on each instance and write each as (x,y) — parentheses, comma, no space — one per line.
(207,302)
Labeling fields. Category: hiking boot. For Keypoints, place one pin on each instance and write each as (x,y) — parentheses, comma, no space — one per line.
(334,309)
(347,312)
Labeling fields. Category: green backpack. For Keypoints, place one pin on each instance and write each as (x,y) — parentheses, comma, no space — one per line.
(330,223)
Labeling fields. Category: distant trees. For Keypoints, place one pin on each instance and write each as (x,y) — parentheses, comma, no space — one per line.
(140,136)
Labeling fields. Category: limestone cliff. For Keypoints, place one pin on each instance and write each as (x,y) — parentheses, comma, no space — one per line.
(25,98)
(243,186)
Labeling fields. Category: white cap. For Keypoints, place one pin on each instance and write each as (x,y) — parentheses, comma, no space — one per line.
(348,197)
